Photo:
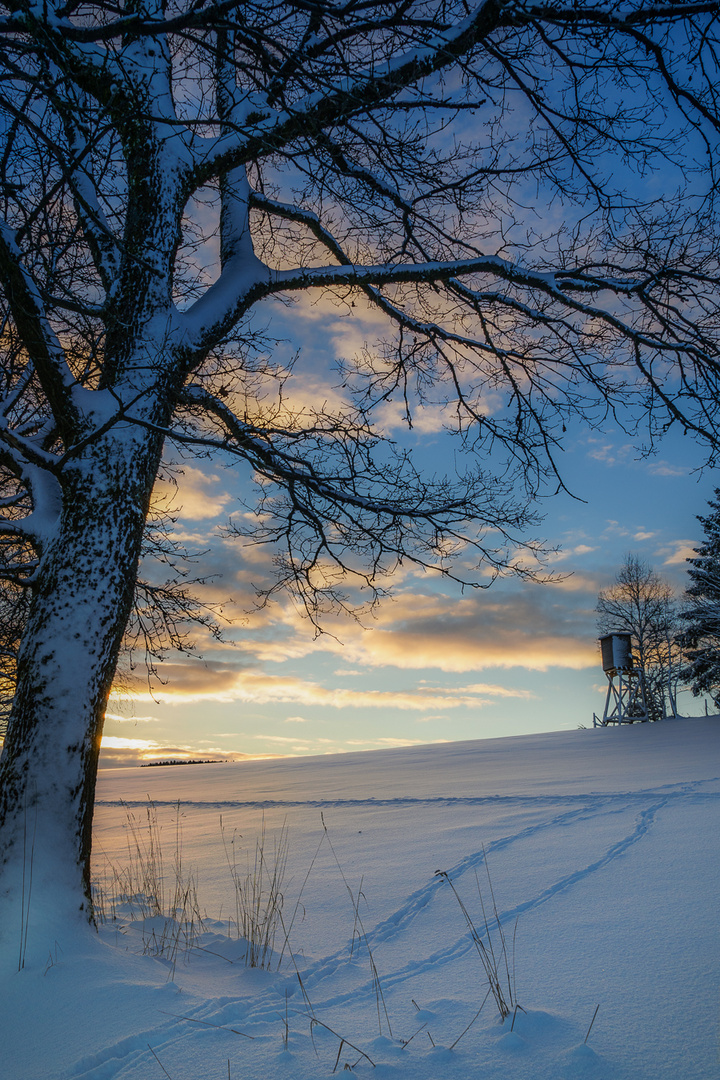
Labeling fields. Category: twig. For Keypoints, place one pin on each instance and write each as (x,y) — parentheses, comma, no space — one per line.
(314,1020)
(206,1023)
(377,985)
(486,953)
(517,1008)
(472,1021)
(337,1059)
(406,1042)
(159,1061)
(591,1023)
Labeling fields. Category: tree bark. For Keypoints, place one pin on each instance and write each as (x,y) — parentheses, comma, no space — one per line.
(66,666)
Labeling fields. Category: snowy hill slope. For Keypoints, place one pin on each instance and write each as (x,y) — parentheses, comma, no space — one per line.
(602,851)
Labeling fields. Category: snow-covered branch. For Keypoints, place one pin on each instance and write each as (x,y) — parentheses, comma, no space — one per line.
(564,287)
(96,228)
(243,280)
(560,285)
(38,335)
(23,450)
(21,529)
(302,216)
(272,130)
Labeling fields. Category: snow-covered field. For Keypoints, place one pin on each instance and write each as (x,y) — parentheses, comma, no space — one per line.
(602,850)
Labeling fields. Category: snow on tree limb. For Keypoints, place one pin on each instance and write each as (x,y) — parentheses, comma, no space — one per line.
(29,313)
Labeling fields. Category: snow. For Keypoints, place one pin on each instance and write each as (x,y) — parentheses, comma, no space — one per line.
(602,851)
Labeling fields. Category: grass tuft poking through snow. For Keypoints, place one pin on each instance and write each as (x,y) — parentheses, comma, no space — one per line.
(163,897)
(258,892)
(165,902)
(491,947)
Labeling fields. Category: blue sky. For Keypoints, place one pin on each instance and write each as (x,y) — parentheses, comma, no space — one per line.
(435,662)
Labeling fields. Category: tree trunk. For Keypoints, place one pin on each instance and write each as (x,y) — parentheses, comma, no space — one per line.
(66,665)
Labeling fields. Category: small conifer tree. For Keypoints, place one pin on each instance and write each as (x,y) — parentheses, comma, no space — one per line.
(700,640)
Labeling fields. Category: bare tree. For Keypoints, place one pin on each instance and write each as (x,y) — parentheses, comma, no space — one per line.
(478,174)
(640,603)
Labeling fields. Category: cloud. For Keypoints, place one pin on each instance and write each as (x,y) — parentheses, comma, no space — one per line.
(678,551)
(336,328)
(575,583)
(610,454)
(215,682)
(565,553)
(282,739)
(426,419)
(131,719)
(193,498)
(513,625)
(535,628)
(456,651)
(264,689)
(116,752)
(193,681)
(113,742)
(664,468)
(497,691)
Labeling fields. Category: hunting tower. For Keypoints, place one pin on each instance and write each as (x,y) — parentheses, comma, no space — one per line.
(625,702)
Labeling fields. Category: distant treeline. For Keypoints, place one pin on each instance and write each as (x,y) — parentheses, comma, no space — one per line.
(180,761)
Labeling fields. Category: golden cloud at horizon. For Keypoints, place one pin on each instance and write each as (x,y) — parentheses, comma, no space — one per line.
(116,752)
(429,630)
(115,742)
(456,653)
(213,681)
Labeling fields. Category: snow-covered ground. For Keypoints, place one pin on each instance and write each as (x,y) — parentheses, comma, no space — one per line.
(602,852)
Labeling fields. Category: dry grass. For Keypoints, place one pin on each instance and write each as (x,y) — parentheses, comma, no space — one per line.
(154,889)
(258,892)
(163,897)
(491,946)
(162,893)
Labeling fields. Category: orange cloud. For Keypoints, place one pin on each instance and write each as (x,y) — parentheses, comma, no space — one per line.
(116,752)
(679,551)
(113,742)
(195,497)
(536,629)
(213,681)
(456,652)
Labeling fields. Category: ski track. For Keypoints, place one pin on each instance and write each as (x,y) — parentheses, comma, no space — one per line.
(384,931)
(667,790)
(252,1012)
